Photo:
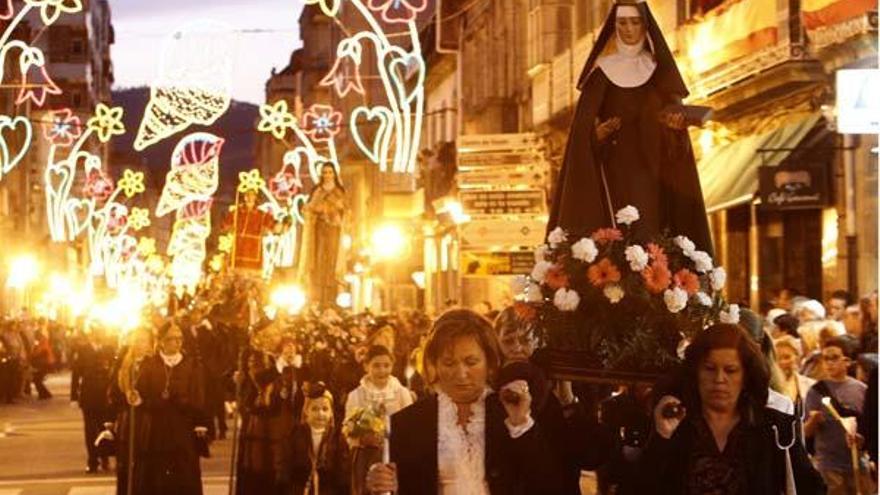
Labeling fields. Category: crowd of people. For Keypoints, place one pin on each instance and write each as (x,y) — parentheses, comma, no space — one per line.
(332,403)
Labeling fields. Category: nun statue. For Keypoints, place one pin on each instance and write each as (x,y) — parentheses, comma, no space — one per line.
(628,143)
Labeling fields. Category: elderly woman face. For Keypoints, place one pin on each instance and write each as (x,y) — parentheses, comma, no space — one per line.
(720,380)
(463,370)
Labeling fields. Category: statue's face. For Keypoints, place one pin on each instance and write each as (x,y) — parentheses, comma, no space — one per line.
(631,30)
(328,175)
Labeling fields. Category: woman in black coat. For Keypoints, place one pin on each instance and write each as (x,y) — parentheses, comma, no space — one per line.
(718,436)
(466,439)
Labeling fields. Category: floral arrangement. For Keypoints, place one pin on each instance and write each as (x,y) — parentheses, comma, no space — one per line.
(365,421)
(625,305)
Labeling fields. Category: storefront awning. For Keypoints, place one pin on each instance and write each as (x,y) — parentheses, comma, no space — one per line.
(729,173)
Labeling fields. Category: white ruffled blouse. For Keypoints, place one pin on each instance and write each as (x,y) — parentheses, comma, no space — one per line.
(461,451)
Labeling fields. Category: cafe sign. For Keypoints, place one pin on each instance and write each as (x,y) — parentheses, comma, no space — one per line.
(790,187)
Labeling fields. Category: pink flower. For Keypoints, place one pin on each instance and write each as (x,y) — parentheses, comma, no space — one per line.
(284,185)
(398,11)
(63,128)
(36,85)
(687,280)
(322,122)
(606,235)
(99,186)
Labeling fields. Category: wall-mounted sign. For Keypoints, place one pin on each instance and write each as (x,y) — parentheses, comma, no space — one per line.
(788,187)
(858,101)
(503,202)
(484,263)
(499,233)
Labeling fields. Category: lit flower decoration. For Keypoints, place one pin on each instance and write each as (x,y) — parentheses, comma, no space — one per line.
(132,183)
(345,75)
(276,119)
(217,262)
(398,11)
(146,247)
(224,243)
(63,127)
(322,122)
(139,218)
(284,185)
(117,219)
(250,181)
(329,7)
(51,10)
(36,84)
(98,186)
(155,264)
(6,10)
(107,122)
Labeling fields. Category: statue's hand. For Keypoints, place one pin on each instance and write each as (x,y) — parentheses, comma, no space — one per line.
(674,121)
(607,128)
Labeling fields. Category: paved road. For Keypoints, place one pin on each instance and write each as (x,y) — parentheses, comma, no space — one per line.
(42,451)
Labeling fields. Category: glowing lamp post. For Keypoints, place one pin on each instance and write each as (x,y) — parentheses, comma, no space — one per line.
(23,271)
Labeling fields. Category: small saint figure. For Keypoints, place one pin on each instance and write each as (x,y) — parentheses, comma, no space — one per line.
(249,224)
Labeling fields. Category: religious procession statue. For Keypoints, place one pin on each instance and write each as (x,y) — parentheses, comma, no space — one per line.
(249,224)
(318,267)
(628,144)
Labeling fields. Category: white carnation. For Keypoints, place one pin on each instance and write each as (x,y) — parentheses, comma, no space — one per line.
(585,250)
(519,284)
(730,316)
(685,244)
(534,294)
(627,215)
(558,235)
(540,270)
(717,278)
(702,260)
(614,293)
(703,298)
(675,299)
(638,258)
(541,253)
(566,300)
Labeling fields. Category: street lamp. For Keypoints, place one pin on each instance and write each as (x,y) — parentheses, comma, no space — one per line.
(23,270)
(388,241)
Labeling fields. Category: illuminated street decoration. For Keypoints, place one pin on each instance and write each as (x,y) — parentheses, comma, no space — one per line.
(10,156)
(50,10)
(189,189)
(329,7)
(36,84)
(68,217)
(62,127)
(193,85)
(6,10)
(345,75)
(388,134)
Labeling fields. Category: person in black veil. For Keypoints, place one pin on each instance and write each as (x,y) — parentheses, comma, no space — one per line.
(628,143)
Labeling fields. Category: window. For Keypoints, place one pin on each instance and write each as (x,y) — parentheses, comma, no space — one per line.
(77,47)
(76,99)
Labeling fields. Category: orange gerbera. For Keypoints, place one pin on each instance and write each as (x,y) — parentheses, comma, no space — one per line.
(657,277)
(603,273)
(556,278)
(687,280)
(605,235)
(524,311)
(657,253)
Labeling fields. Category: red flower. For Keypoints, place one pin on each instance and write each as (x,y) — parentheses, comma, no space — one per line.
(657,254)
(99,186)
(603,273)
(525,312)
(322,122)
(687,280)
(36,85)
(556,278)
(657,277)
(63,128)
(398,11)
(607,235)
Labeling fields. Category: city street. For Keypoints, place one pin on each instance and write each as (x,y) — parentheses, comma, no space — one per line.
(42,452)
